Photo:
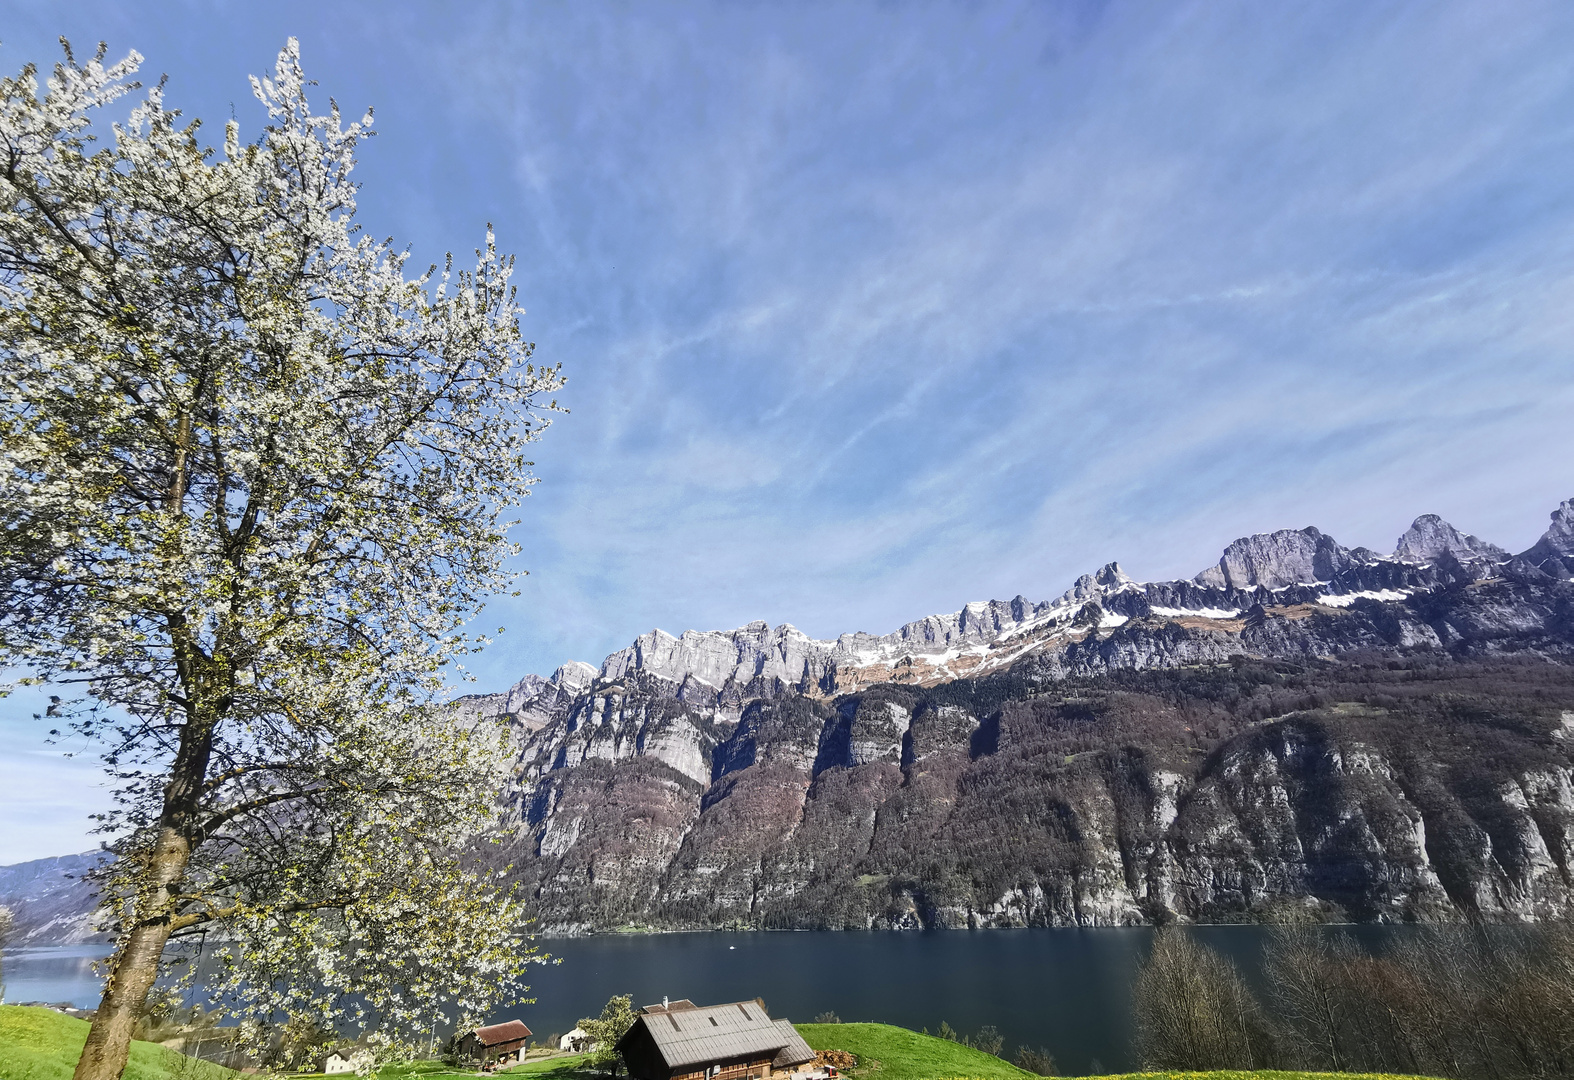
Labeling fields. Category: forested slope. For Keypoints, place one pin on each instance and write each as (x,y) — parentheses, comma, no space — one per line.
(1364,737)
(1371,788)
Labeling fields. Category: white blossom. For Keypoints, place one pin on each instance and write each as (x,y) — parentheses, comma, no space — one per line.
(255,477)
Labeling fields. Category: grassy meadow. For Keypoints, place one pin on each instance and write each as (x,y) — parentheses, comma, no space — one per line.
(1260,1074)
(892,1053)
(557,1067)
(40,1044)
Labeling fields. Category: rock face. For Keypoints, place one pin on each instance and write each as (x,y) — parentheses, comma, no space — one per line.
(51,901)
(1553,554)
(751,657)
(1302,724)
(1430,537)
(532,701)
(1274,560)
(1213,794)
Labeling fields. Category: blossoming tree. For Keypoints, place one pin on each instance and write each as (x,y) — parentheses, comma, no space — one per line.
(253,479)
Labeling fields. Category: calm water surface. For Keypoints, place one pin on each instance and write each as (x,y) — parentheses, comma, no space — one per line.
(52,973)
(1067,989)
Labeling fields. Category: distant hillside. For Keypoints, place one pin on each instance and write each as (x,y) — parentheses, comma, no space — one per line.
(1355,735)
(1372,737)
(52,904)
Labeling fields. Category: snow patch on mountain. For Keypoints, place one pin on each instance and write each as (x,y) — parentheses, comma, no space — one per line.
(1346,599)
(1285,568)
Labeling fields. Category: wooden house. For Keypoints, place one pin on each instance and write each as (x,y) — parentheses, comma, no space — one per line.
(682,1041)
(496,1044)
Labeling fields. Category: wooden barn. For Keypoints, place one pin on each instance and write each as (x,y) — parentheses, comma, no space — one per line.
(682,1041)
(495,1045)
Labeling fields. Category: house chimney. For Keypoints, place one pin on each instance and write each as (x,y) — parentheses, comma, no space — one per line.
(663,1001)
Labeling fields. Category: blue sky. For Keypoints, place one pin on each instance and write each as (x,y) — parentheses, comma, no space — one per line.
(870,310)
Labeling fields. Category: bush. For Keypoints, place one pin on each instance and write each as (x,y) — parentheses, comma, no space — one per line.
(1193,1010)
(1473,1003)
(988,1038)
(602,1033)
(1039,1061)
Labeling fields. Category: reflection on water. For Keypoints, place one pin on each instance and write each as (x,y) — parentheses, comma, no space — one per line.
(1067,989)
(54,974)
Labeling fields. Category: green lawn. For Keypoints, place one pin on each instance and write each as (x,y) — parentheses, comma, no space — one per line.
(563,1067)
(40,1044)
(558,1067)
(892,1053)
(1261,1074)
(907,1055)
(417,1070)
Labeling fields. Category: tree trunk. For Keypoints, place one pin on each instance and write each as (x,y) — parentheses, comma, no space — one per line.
(135,966)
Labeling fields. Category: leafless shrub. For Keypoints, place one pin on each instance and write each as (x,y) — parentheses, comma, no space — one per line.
(1304,970)
(1530,1013)
(1039,1061)
(1471,1002)
(1193,1010)
(988,1040)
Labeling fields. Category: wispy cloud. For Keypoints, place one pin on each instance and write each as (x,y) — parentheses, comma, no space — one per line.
(967,311)
(870,310)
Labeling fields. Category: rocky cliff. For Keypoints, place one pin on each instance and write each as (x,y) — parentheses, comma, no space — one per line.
(52,900)
(1364,736)
(1300,725)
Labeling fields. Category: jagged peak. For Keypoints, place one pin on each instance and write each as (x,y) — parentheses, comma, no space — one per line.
(575,675)
(1559,537)
(1276,559)
(1429,537)
(1272,560)
(1554,553)
(1106,579)
(755,629)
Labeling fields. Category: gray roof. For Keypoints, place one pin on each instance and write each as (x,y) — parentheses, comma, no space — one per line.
(715,1033)
(796,1052)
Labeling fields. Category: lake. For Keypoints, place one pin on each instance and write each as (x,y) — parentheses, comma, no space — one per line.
(1065,989)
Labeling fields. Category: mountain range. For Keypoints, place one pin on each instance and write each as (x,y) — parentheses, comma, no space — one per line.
(1271,571)
(1300,726)
(1364,736)
(52,902)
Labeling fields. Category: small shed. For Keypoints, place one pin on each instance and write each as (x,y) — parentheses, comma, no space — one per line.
(496,1044)
(737,1041)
